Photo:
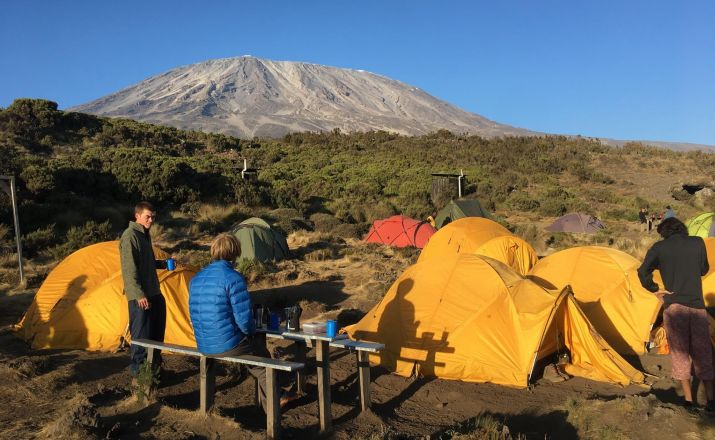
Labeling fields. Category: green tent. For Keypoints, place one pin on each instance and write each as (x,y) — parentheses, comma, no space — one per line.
(702,225)
(456,209)
(259,241)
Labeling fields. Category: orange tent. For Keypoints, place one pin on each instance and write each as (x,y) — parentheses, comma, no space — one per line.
(81,304)
(472,318)
(606,286)
(478,235)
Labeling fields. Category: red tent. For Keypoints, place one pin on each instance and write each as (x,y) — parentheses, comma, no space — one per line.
(400,231)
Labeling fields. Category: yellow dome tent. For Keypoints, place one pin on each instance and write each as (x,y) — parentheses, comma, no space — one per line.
(81,304)
(606,286)
(478,235)
(472,318)
(709,284)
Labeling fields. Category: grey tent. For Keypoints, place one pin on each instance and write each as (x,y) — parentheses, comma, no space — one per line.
(457,209)
(576,222)
(259,241)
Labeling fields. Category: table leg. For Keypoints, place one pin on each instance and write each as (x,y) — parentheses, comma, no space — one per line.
(208,383)
(364,373)
(301,350)
(273,407)
(322,360)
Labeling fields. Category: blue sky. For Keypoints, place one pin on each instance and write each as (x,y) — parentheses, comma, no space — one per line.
(619,69)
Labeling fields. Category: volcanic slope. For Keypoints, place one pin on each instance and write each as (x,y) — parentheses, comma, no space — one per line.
(248,96)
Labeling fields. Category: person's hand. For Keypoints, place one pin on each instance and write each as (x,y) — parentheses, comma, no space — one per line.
(661,293)
(143,303)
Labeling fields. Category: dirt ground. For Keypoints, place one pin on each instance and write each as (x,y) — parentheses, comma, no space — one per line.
(79,394)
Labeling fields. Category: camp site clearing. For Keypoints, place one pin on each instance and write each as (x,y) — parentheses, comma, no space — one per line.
(75,393)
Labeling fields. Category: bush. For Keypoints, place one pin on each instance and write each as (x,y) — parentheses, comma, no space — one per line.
(555,201)
(324,222)
(78,237)
(348,230)
(521,201)
(252,269)
(38,241)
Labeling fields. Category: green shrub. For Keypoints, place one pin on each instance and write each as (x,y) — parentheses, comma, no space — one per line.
(78,237)
(253,269)
(521,201)
(38,241)
(324,222)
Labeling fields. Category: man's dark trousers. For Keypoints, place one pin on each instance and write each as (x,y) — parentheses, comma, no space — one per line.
(146,324)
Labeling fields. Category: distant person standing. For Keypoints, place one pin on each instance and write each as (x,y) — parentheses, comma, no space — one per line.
(643,219)
(669,213)
(651,221)
(682,261)
(147,308)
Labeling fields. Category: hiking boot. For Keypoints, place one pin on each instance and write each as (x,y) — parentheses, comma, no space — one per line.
(710,408)
(692,408)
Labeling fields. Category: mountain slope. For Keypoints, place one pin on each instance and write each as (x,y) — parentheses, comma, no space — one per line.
(249,96)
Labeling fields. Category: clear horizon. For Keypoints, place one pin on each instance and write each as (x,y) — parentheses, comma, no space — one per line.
(634,71)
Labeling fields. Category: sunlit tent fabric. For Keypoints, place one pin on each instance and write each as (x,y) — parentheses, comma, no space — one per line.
(473,319)
(576,222)
(702,225)
(460,208)
(259,241)
(81,304)
(709,285)
(482,236)
(606,286)
(400,231)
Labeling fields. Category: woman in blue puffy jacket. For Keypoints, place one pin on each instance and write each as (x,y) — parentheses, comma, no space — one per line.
(221,309)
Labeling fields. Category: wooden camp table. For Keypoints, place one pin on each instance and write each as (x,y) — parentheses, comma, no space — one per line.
(322,343)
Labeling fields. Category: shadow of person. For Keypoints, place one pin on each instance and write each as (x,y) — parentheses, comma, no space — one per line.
(57,324)
(66,327)
(408,350)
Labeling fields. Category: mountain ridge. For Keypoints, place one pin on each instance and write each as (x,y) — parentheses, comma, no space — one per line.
(248,96)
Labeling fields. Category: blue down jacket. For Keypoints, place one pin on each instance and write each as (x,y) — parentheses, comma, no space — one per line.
(220,307)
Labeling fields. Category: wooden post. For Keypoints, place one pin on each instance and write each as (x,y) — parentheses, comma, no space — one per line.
(364,373)
(13,198)
(207,385)
(322,360)
(273,405)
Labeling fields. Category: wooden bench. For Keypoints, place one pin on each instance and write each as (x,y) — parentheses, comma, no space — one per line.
(207,377)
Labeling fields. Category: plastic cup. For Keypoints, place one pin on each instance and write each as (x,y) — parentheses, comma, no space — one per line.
(170,264)
(274,321)
(331,328)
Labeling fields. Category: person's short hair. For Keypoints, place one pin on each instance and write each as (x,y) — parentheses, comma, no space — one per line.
(225,247)
(667,207)
(671,226)
(143,206)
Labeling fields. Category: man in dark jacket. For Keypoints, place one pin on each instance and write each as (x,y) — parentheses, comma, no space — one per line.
(682,260)
(147,308)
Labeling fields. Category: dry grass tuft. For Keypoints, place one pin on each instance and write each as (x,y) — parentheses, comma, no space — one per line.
(79,419)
